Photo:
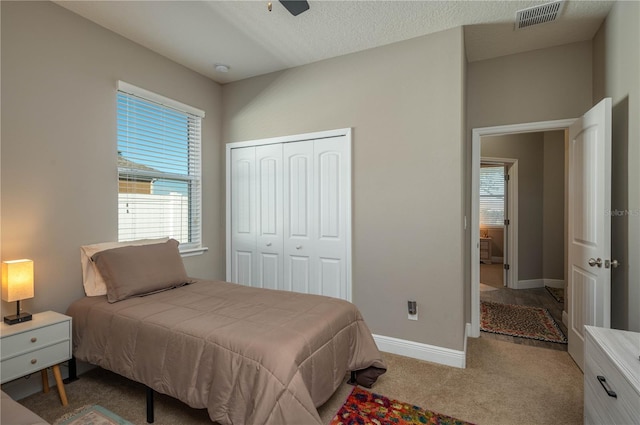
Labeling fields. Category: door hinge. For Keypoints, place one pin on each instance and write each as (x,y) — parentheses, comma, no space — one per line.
(507,177)
(507,222)
(506,267)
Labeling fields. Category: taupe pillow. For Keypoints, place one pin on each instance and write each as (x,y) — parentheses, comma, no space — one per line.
(137,270)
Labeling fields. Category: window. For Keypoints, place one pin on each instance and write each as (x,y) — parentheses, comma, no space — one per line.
(159,176)
(492,195)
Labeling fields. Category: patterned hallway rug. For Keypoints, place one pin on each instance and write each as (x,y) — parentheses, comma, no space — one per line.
(556,293)
(520,321)
(91,415)
(365,408)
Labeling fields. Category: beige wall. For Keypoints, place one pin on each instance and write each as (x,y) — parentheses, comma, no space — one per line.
(617,75)
(545,84)
(553,227)
(59,177)
(541,85)
(405,103)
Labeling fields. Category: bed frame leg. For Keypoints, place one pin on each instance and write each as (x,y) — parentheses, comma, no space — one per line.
(149,405)
(73,371)
(352,380)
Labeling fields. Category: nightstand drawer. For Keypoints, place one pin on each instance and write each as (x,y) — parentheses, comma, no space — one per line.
(34,361)
(34,339)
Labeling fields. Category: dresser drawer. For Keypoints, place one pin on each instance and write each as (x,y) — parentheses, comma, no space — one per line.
(34,339)
(600,408)
(34,361)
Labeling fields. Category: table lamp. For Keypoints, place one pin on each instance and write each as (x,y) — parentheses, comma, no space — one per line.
(17,285)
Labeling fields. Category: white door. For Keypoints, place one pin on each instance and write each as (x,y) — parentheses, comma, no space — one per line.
(331,168)
(299,208)
(269,219)
(243,221)
(589,275)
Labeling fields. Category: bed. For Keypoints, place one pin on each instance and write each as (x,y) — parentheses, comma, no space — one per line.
(247,355)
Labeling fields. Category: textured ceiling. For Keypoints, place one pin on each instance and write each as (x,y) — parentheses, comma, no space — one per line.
(252,41)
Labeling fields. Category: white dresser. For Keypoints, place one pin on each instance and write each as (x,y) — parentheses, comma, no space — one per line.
(611,376)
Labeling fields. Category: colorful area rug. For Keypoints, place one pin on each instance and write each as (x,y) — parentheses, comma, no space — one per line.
(520,321)
(365,408)
(556,293)
(91,415)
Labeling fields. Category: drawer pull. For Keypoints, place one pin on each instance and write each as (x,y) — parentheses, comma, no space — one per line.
(34,361)
(34,339)
(603,382)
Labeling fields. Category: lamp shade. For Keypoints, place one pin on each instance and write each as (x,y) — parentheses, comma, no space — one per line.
(17,280)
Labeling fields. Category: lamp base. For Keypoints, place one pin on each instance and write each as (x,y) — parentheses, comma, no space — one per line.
(17,318)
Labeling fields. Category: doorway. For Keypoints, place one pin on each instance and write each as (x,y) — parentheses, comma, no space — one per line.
(477,136)
(498,215)
(540,158)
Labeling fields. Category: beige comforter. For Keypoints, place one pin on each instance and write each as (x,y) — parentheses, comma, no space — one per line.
(248,355)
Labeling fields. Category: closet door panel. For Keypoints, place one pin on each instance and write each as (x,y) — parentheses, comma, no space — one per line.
(299,275)
(331,161)
(330,275)
(269,240)
(243,212)
(269,269)
(299,233)
(243,267)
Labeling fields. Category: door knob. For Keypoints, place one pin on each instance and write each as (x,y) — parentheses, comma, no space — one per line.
(613,264)
(593,262)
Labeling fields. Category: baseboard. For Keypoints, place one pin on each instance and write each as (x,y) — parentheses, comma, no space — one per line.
(529,284)
(420,351)
(554,283)
(539,283)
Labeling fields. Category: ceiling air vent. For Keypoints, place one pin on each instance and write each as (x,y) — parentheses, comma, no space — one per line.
(536,15)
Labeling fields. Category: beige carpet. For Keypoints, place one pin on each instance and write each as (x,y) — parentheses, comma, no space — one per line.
(503,383)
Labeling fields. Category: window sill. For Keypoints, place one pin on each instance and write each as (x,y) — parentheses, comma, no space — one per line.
(190,252)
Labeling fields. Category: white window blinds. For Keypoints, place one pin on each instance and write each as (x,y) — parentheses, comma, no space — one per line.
(492,196)
(159,168)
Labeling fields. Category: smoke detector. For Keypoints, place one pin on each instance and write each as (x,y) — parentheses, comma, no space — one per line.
(222,67)
(547,12)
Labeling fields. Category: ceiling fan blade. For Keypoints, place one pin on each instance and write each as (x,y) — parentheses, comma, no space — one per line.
(295,7)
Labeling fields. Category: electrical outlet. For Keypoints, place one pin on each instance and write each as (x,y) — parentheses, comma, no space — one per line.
(412,307)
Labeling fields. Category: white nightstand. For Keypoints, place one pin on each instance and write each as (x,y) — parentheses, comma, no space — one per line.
(35,346)
(485,250)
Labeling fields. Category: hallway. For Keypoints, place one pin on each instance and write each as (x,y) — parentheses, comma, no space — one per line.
(492,289)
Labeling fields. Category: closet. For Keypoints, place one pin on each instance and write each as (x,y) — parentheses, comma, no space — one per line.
(289,213)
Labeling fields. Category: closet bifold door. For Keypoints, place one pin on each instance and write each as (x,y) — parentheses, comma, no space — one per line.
(289,214)
(331,168)
(243,216)
(269,218)
(315,245)
(256,208)
(299,208)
